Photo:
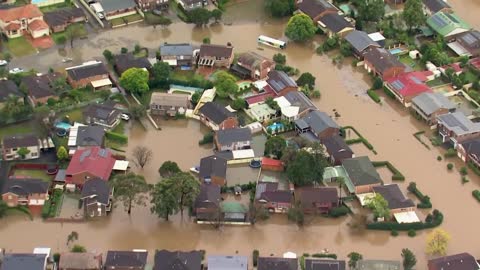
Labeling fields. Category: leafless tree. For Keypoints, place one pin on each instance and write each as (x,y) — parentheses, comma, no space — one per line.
(142,155)
(216,218)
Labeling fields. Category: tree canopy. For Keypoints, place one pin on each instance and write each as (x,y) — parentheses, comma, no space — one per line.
(280,8)
(169,168)
(225,84)
(216,14)
(135,80)
(306,168)
(199,16)
(161,72)
(275,146)
(354,257)
(306,79)
(300,28)
(142,155)
(379,206)
(130,189)
(409,259)
(370,10)
(62,153)
(413,13)
(73,32)
(437,242)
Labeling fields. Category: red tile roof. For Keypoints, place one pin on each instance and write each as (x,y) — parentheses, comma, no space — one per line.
(475,62)
(455,66)
(38,25)
(261,97)
(271,162)
(28,11)
(408,84)
(95,160)
(12,27)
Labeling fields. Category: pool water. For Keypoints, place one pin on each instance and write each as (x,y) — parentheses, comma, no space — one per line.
(63,125)
(274,126)
(243,85)
(396,51)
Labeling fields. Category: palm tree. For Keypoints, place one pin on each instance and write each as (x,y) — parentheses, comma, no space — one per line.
(12,105)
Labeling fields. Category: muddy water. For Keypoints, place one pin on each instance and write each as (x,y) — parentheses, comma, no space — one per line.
(467,10)
(388,127)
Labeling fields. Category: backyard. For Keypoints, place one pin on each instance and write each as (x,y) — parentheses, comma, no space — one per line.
(32,173)
(82,33)
(20,128)
(54,7)
(126,19)
(412,63)
(75,115)
(20,47)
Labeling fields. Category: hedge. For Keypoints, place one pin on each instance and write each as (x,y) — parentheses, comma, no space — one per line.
(244,187)
(476,194)
(360,139)
(374,96)
(325,255)
(450,153)
(474,168)
(339,211)
(397,175)
(207,138)
(417,136)
(116,137)
(50,206)
(431,221)
(425,202)
(389,93)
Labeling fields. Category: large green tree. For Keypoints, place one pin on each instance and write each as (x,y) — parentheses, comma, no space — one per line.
(305,167)
(354,257)
(370,10)
(225,84)
(161,72)
(62,153)
(130,189)
(187,189)
(135,80)
(300,28)
(280,8)
(199,16)
(306,79)
(168,169)
(216,14)
(413,13)
(275,146)
(409,259)
(163,200)
(379,206)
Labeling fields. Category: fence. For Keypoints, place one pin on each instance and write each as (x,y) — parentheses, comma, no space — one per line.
(92,13)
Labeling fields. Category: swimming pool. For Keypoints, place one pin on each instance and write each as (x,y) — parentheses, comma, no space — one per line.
(396,51)
(63,125)
(243,84)
(276,127)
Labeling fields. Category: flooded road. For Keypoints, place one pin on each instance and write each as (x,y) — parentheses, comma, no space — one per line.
(388,127)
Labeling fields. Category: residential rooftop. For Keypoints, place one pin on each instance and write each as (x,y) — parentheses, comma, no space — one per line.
(458,123)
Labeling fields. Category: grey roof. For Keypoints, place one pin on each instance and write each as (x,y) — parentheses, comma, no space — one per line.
(114,5)
(169,99)
(17,261)
(126,259)
(90,136)
(335,22)
(25,186)
(462,261)
(16,141)
(177,260)
(297,98)
(472,147)
(337,147)
(325,264)
(278,196)
(378,265)
(318,121)
(275,263)
(227,263)
(62,16)
(431,102)
(394,196)
(215,112)
(176,49)
(435,5)
(8,88)
(232,135)
(96,190)
(61,175)
(311,196)
(41,86)
(87,71)
(102,111)
(458,123)
(279,80)
(360,40)
(470,40)
(265,187)
(381,59)
(75,260)
(314,8)
(361,171)
(125,61)
(209,196)
(213,166)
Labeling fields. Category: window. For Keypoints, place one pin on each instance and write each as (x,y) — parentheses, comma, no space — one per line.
(34,154)
(10,197)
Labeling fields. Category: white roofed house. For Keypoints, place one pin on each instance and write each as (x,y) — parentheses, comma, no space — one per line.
(233,139)
(429,105)
(456,128)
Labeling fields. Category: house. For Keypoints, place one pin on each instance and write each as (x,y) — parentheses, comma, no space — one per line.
(169,104)
(191,4)
(262,112)
(118,8)
(173,260)
(270,263)
(233,212)
(207,202)
(361,174)
(467,44)
(337,149)
(213,169)
(80,261)
(431,7)
(58,20)
(86,136)
(360,41)
(333,24)
(30,261)
(469,151)
(41,88)
(227,262)
(276,201)
(12,144)
(456,128)
(88,163)
(447,25)
(103,115)
(270,164)
(25,191)
(254,66)
(317,200)
(318,123)
(149,5)
(281,83)
(125,61)
(378,265)
(297,105)
(96,197)
(382,63)
(462,261)
(430,105)
(8,89)
(378,38)
(92,73)
(407,86)
(132,260)
(217,117)
(212,55)
(233,139)
(16,21)
(323,264)
(177,55)
(316,9)
(397,202)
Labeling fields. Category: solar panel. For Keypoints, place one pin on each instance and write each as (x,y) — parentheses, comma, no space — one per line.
(85,155)
(469,39)
(398,85)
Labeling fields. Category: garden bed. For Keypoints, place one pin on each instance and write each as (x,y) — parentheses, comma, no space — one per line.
(418,136)
(396,174)
(52,207)
(425,202)
(126,20)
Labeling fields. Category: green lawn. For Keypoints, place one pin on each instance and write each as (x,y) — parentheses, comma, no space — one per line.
(436,82)
(20,47)
(49,8)
(415,65)
(21,128)
(185,75)
(180,92)
(75,115)
(471,77)
(120,128)
(39,174)
(126,19)
(83,33)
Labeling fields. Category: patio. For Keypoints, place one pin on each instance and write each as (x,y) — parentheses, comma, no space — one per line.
(70,208)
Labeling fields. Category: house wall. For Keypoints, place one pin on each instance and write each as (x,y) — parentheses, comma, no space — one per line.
(40,33)
(320,208)
(24,26)
(80,178)
(84,82)
(233,146)
(147,5)
(448,135)
(11,153)
(120,13)
(278,207)
(35,199)
(220,62)
(365,188)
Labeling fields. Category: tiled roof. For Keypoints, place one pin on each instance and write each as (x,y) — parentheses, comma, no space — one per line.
(126,259)
(95,160)
(215,112)
(28,261)
(62,16)
(446,23)
(176,49)
(360,40)
(22,12)
(394,196)
(213,166)
(462,261)
(279,80)
(177,260)
(98,188)
(408,85)
(41,86)
(314,8)
(87,70)
(269,263)
(74,260)
(311,196)
(212,50)
(431,102)
(436,5)
(17,141)
(458,123)
(8,88)
(361,171)
(38,25)
(335,23)
(232,135)
(318,121)
(169,99)
(22,187)
(381,59)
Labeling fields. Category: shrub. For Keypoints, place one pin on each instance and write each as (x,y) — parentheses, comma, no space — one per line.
(56,257)
(412,233)
(280,58)
(388,92)
(325,255)
(476,194)
(339,211)
(207,138)
(439,158)
(437,219)
(465,180)
(449,166)
(78,249)
(123,50)
(206,40)
(116,137)
(424,200)
(255,255)
(394,233)
(377,83)
(450,153)
(373,95)
(463,171)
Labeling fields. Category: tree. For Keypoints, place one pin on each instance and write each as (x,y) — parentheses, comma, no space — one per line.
(306,79)
(23,152)
(73,32)
(187,189)
(300,170)
(163,199)
(275,146)
(168,169)
(238,104)
(199,16)
(62,153)
(78,249)
(370,10)
(346,49)
(296,214)
(108,56)
(280,58)
(206,40)
(61,40)
(161,72)
(216,14)
(300,28)
(60,85)
(409,259)
(123,50)
(138,111)
(377,83)
(354,257)
(280,8)
(3,208)
(413,13)
(272,103)
(225,84)
(164,21)
(142,155)
(135,80)
(437,242)
(130,189)
(12,106)
(379,206)
(195,97)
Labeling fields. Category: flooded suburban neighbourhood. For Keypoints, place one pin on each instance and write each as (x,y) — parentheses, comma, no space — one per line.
(388,126)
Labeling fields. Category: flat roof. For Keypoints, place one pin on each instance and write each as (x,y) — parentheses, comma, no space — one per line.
(101,83)
(241,154)
(376,36)
(120,165)
(406,217)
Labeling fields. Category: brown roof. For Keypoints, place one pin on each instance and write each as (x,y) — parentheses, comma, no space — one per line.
(381,59)
(12,26)
(17,141)
(254,60)
(279,196)
(166,99)
(28,11)
(212,50)
(314,8)
(72,260)
(62,16)
(41,86)
(38,25)
(394,196)
(462,261)
(311,196)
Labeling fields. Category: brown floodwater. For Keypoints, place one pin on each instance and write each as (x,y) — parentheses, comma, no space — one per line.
(388,127)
